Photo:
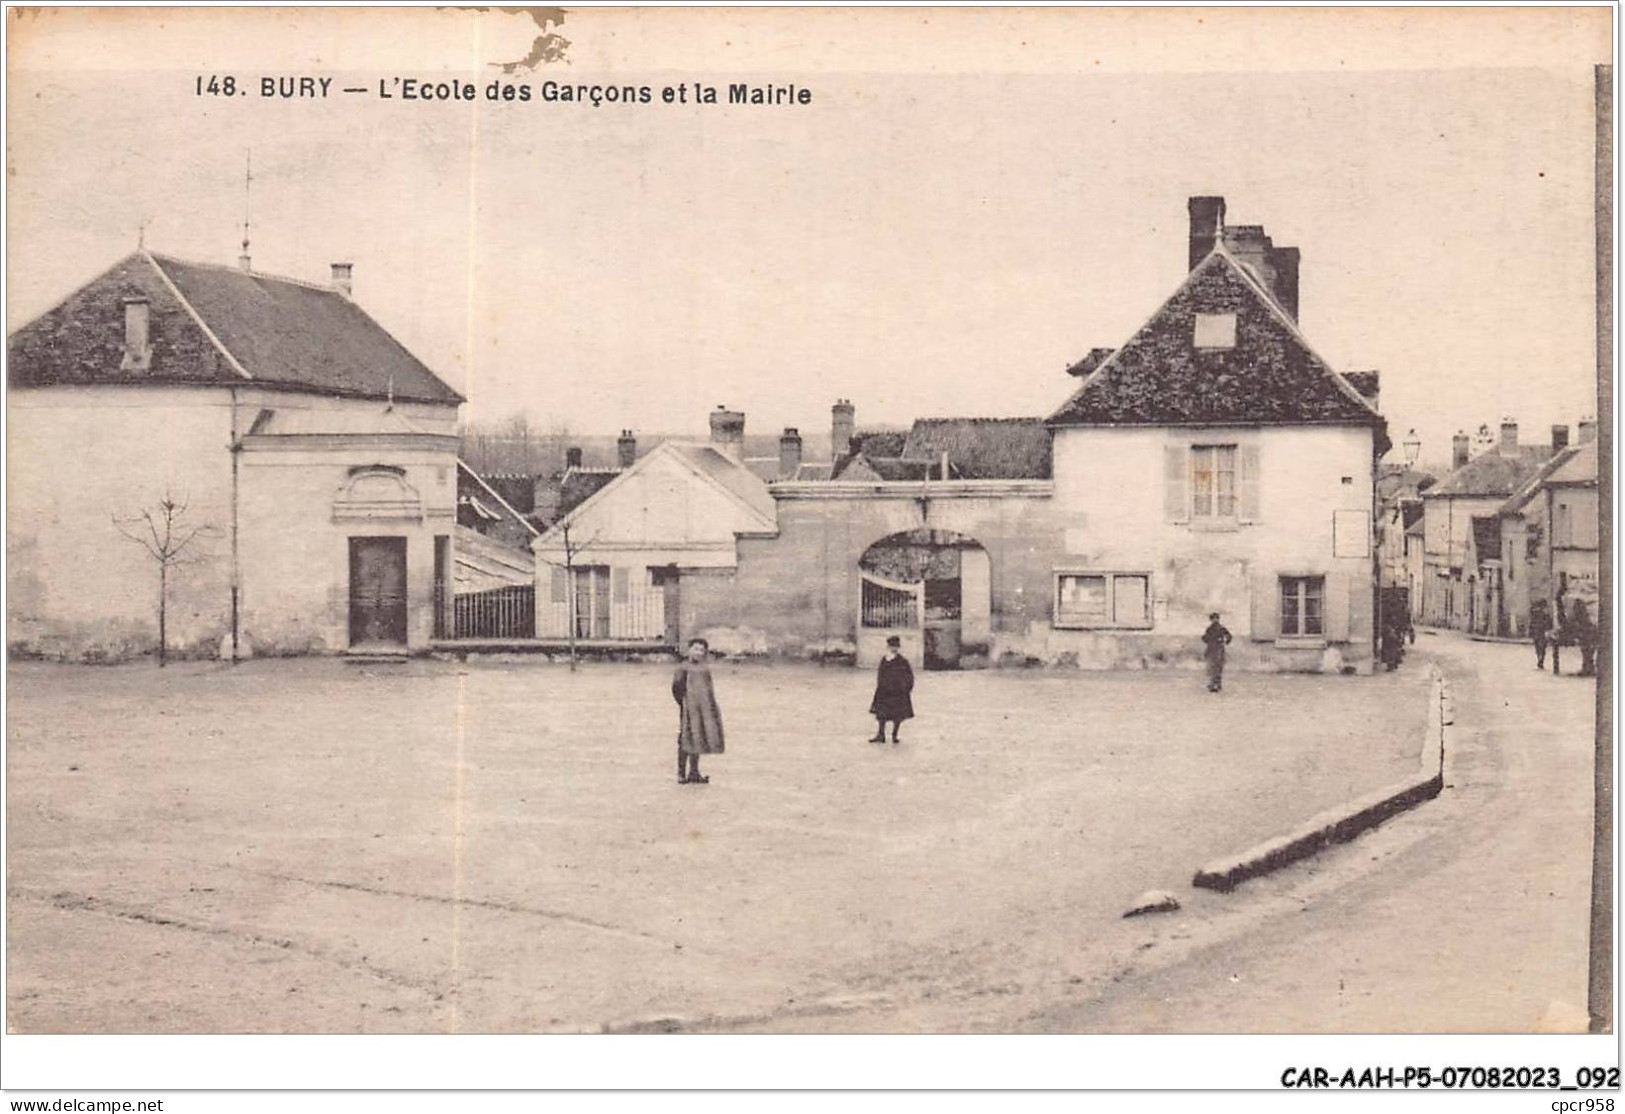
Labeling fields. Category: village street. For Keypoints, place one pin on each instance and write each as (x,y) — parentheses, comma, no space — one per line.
(1467,915)
(501,846)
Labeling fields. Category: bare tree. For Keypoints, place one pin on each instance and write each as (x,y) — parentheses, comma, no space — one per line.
(571,550)
(170,540)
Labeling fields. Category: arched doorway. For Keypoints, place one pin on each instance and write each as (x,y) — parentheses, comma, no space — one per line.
(931,588)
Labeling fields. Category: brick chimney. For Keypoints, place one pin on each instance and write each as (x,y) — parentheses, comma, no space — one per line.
(1588,430)
(1560,438)
(1509,437)
(572,457)
(1459,445)
(626,450)
(728,432)
(789,452)
(843,419)
(1284,262)
(1207,226)
(137,335)
(341,277)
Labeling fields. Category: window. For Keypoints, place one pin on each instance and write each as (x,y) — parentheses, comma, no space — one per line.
(1215,330)
(1562,525)
(1303,606)
(1102,599)
(1213,481)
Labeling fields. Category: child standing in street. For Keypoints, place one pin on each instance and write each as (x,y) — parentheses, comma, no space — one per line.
(1214,640)
(699,729)
(893,685)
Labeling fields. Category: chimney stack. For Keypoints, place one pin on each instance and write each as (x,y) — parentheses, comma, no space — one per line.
(1588,430)
(728,432)
(572,457)
(842,425)
(341,277)
(1458,450)
(1284,261)
(1207,226)
(626,450)
(1509,437)
(1560,438)
(137,335)
(789,453)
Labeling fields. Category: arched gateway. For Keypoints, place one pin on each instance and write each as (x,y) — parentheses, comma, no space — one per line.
(931,588)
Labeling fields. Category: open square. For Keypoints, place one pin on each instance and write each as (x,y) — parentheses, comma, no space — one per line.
(314,846)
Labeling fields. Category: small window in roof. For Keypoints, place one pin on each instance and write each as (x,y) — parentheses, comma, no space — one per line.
(1215,330)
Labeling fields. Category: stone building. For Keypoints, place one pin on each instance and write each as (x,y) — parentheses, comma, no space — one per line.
(315,456)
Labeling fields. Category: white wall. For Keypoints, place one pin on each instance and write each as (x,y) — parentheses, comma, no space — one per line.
(77,457)
(1109,488)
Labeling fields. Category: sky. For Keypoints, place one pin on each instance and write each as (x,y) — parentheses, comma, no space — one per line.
(940,232)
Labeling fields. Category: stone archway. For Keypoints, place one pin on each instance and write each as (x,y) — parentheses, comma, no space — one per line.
(931,588)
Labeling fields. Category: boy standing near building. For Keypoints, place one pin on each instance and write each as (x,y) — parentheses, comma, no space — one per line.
(894,683)
(699,729)
(1214,640)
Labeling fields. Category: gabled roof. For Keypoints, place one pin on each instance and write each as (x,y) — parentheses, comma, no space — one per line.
(712,466)
(889,469)
(1492,474)
(222,325)
(1524,492)
(1270,376)
(471,482)
(984,448)
(1579,468)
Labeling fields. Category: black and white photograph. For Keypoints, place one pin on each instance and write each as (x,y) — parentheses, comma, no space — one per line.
(633,528)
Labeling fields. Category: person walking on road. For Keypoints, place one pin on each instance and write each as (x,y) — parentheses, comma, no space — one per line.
(1584,633)
(699,729)
(1540,630)
(1214,640)
(894,685)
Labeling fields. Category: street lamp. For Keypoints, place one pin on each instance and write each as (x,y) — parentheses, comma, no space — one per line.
(1413,448)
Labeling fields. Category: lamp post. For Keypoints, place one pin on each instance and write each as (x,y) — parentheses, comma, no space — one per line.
(1413,448)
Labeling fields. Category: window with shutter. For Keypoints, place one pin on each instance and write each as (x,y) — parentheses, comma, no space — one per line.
(1213,481)
(1303,607)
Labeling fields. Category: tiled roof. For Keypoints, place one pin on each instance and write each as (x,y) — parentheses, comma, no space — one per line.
(1524,492)
(1271,374)
(1579,467)
(1087,365)
(580,484)
(1492,473)
(731,475)
(213,324)
(984,448)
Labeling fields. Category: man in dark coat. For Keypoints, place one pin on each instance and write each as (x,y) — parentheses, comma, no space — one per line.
(893,684)
(699,728)
(1584,633)
(1540,630)
(1214,640)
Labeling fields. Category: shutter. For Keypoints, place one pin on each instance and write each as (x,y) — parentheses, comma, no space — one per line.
(561,585)
(1266,607)
(620,585)
(1176,499)
(1249,482)
(1336,607)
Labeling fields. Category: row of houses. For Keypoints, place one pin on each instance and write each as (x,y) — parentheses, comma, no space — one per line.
(1211,461)
(1512,525)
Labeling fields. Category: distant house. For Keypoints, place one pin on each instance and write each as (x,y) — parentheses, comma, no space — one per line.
(1463,586)
(316,451)
(627,562)
(1549,534)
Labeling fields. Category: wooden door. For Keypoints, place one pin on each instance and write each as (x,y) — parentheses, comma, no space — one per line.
(378,592)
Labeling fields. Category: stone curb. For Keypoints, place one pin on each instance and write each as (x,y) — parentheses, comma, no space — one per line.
(1349,819)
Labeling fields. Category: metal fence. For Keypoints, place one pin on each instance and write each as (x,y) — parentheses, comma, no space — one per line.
(508,612)
(890,605)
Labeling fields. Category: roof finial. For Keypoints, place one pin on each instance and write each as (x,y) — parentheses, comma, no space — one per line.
(248,186)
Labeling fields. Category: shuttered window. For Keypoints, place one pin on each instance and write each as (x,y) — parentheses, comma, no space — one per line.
(1303,604)
(1213,481)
